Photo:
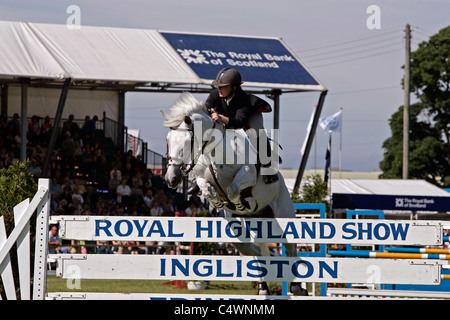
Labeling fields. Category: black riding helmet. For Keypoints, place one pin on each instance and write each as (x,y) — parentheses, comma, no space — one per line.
(228,76)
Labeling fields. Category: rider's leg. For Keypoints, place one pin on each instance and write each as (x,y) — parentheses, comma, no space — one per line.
(269,167)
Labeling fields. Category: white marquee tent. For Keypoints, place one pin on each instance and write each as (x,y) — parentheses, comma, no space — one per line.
(43,66)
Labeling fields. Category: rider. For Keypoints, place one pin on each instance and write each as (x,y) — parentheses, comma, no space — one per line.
(233,107)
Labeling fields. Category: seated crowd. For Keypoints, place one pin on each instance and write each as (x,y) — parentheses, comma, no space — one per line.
(85,180)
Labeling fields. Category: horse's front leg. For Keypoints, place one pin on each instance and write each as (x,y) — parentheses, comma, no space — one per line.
(244,178)
(210,193)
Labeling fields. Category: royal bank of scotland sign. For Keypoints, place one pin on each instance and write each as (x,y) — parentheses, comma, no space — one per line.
(259,60)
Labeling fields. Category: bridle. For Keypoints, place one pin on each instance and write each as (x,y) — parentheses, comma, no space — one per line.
(177,161)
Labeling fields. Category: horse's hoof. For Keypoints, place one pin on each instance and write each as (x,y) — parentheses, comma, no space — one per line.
(297,290)
(263,289)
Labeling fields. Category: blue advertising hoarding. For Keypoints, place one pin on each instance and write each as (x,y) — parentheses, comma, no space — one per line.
(391,202)
(259,60)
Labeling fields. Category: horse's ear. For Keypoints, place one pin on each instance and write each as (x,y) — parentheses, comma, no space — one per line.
(164,115)
(187,120)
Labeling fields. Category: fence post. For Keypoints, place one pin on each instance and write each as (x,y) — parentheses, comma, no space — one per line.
(41,247)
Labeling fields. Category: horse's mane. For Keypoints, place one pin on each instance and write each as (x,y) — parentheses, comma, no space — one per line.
(185,105)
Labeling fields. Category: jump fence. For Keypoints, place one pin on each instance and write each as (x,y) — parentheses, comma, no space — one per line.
(215,267)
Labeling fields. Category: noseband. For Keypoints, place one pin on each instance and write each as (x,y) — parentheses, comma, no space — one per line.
(170,160)
(185,169)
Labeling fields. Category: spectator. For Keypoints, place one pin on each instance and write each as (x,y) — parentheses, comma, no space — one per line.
(113,183)
(160,197)
(67,153)
(54,241)
(156,210)
(34,168)
(86,160)
(70,126)
(38,152)
(103,247)
(46,131)
(137,200)
(148,198)
(55,187)
(34,130)
(115,170)
(14,124)
(123,192)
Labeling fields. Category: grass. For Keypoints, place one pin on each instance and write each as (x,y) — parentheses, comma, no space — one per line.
(151,286)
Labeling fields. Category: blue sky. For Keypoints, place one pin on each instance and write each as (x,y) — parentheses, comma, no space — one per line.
(361,68)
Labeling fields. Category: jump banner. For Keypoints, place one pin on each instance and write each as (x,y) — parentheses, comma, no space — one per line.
(189,229)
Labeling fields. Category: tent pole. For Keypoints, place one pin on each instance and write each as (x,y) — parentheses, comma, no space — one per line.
(24,124)
(59,111)
(315,122)
(121,132)
(276,108)
(4,99)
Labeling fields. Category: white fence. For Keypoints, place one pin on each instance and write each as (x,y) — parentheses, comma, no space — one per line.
(189,267)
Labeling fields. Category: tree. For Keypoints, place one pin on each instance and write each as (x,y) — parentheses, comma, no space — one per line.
(429,118)
(16,185)
(427,158)
(313,190)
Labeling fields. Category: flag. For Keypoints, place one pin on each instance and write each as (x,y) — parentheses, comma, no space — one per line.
(332,123)
(327,161)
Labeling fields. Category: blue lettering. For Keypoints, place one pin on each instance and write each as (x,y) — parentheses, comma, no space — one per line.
(200,229)
(290,229)
(129,228)
(346,229)
(376,231)
(362,230)
(279,264)
(311,231)
(219,270)
(219,230)
(261,269)
(140,228)
(309,269)
(208,268)
(105,227)
(269,232)
(399,231)
(235,232)
(171,234)
(163,267)
(258,229)
(176,264)
(157,228)
(331,271)
(239,269)
(331,227)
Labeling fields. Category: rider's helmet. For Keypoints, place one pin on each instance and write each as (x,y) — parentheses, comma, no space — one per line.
(228,76)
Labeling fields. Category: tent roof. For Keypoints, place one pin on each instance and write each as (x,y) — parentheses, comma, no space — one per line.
(145,57)
(387,194)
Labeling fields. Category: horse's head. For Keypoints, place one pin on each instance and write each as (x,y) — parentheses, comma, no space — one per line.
(182,142)
(179,150)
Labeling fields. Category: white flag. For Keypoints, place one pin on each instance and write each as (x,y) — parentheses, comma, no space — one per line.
(332,123)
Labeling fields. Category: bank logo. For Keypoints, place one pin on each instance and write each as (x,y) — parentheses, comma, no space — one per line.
(193,56)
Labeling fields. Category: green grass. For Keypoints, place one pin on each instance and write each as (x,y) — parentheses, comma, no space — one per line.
(151,286)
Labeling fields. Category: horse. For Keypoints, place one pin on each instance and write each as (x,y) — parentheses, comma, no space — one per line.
(196,143)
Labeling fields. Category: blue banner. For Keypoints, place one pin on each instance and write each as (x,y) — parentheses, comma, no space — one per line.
(261,60)
(391,202)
